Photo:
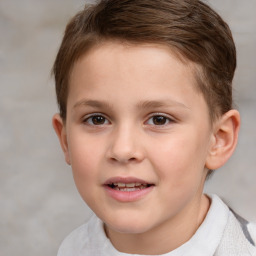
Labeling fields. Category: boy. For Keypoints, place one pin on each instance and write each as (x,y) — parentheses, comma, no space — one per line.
(145,98)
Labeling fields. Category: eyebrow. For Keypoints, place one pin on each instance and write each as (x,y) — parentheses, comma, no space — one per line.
(92,103)
(160,103)
(147,104)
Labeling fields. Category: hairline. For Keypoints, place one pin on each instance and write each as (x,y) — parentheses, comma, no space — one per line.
(196,68)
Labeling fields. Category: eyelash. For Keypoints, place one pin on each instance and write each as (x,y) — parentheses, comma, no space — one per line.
(166,118)
(89,119)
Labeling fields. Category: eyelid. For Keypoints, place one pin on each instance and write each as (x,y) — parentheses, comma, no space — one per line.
(161,114)
(170,118)
(86,117)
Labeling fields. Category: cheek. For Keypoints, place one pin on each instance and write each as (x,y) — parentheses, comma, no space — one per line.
(85,160)
(179,164)
(181,157)
(85,157)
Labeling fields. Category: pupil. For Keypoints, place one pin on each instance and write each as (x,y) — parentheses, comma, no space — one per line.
(159,120)
(98,120)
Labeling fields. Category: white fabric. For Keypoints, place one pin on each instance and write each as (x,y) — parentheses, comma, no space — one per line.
(219,235)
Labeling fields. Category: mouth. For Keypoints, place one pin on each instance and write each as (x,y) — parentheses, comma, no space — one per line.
(127,184)
(128,187)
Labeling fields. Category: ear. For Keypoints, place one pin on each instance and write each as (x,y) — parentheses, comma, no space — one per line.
(60,129)
(224,139)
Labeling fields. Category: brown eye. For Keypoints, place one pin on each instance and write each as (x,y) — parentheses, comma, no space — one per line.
(159,120)
(96,120)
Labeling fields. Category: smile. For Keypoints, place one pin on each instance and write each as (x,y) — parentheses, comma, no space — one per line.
(127,189)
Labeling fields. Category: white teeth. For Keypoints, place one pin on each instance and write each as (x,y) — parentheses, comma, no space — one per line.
(120,185)
(130,185)
(127,185)
(128,189)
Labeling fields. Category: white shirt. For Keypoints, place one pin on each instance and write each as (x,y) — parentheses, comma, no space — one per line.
(220,234)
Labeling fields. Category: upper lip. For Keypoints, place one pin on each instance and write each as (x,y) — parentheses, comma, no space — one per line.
(125,180)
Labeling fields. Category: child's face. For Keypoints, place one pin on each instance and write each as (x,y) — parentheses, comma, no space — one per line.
(134,117)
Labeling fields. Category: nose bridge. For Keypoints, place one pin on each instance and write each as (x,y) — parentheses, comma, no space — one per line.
(125,143)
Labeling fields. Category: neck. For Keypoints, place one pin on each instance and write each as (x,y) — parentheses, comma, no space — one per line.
(166,237)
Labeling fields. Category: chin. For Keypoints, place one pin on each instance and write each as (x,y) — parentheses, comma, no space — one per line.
(128,225)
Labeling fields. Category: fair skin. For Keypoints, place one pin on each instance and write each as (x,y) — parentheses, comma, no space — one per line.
(140,141)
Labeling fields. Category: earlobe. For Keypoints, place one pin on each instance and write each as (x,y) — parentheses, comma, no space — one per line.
(224,140)
(60,130)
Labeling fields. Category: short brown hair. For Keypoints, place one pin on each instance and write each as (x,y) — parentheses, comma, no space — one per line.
(189,27)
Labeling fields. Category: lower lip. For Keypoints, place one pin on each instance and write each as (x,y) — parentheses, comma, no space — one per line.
(128,196)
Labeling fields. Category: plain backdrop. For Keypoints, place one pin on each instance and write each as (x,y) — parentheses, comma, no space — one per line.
(39,204)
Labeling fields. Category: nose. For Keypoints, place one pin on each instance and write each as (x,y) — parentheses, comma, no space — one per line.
(125,146)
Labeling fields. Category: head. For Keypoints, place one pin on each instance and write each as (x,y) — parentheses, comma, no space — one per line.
(145,98)
(189,28)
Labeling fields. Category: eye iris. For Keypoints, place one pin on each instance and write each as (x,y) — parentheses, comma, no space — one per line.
(159,120)
(98,120)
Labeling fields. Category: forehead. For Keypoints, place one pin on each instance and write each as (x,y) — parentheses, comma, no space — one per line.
(115,71)
(134,57)
(101,48)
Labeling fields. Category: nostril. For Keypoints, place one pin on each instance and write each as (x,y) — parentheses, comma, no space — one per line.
(123,160)
(124,154)
(113,159)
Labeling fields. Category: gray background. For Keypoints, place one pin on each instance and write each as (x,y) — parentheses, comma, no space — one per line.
(39,204)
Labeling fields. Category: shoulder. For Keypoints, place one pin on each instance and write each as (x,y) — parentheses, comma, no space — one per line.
(239,237)
(72,243)
(79,238)
(248,228)
(252,231)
